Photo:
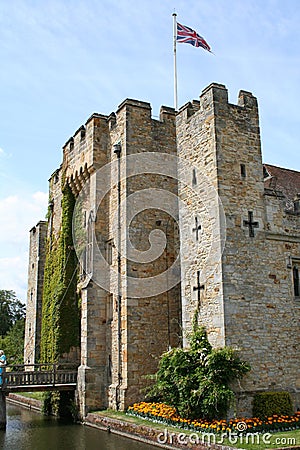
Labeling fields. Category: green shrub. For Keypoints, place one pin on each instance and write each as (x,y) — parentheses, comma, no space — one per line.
(196,380)
(266,404)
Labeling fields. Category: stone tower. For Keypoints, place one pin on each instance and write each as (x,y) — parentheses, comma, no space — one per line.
(34,292)
(122,332)
(247,299)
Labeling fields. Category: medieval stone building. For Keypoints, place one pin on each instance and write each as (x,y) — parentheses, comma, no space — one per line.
(172,216)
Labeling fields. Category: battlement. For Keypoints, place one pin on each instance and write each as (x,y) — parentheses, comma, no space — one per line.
(90,146)
(41,223)
(214,101)
(79,159)
(219,90)
(166,113)
(82,132)
(134,103)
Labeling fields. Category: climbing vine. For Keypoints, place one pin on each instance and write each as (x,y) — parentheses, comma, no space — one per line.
(60,309)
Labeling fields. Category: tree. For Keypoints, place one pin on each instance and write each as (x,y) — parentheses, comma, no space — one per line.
(11,310)
(195,380)
(13,343)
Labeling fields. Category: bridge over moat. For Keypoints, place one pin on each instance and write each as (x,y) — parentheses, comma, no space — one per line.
(35,378)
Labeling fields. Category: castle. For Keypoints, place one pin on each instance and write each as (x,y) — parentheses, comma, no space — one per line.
(170,217)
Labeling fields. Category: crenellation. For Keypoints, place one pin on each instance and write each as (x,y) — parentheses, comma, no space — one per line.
(217,91)
(247,99)
(112,120)
(96,118)
(80,132)
(134,103)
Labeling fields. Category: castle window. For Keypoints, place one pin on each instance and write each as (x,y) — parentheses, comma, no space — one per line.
(194,180)
(109,308)
(296,281)
(297,204)
(109,251)
(243,171)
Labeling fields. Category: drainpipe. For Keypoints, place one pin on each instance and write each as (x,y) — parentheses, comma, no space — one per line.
(117,151)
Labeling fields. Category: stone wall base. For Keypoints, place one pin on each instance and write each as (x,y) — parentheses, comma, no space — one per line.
(117,397)
(169,438)
(91,394)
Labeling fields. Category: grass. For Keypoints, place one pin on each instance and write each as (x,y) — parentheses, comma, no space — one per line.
(34,395)
(249,442)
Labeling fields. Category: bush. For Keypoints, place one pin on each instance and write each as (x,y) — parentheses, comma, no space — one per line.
(196,380)
(266,404)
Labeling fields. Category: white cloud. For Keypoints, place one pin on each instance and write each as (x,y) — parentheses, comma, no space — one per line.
(4,154)
(13,275)
(19,213)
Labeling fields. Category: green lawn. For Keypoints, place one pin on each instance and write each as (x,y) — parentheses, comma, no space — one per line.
(35,395)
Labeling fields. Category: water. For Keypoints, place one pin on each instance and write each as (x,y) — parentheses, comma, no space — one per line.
(28,430)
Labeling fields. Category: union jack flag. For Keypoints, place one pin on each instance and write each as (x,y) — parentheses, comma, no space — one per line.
(189,36)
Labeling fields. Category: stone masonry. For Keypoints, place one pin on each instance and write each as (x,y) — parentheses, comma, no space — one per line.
(235,234)
(248,300)
(34,292)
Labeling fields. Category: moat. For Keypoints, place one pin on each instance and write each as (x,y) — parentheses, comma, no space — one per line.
(28,430)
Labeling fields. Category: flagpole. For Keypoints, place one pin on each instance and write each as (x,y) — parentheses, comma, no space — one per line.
(175,62)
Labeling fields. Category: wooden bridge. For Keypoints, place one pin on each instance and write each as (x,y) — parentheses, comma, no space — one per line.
(39,377)
(35,377)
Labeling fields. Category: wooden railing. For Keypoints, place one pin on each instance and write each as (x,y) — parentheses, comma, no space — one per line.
(40,375)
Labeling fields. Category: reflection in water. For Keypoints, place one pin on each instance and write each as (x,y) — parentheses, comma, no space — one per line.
(28,430)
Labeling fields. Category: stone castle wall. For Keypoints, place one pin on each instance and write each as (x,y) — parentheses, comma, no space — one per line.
(235,241)
(37,247)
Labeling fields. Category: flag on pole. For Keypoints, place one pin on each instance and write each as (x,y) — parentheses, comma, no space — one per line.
(189,36)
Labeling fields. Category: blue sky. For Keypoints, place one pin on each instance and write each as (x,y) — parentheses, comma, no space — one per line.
(63,60)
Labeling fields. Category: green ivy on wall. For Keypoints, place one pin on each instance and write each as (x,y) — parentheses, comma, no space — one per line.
(60,310)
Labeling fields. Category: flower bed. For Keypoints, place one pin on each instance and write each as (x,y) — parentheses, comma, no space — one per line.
(162,413)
